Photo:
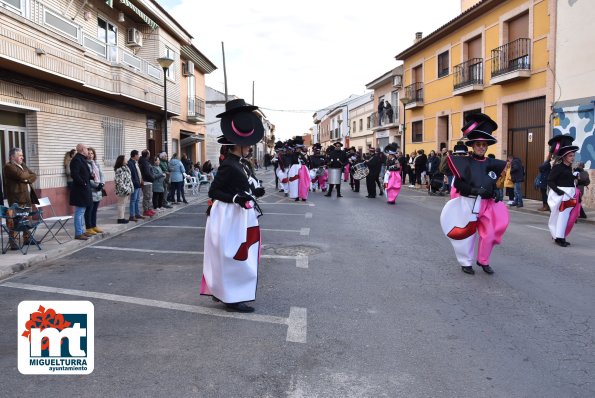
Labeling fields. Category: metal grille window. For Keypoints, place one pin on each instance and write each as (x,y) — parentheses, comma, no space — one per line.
(417,134)
(443,64)
(113,136)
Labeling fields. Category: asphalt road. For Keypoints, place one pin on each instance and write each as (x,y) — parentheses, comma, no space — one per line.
(355,298)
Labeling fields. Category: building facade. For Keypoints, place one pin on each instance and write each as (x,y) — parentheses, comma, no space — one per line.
(574,89)
(361,135)
(493,58)
(85,71)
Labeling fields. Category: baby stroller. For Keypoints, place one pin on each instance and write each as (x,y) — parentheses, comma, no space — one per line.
(435,184)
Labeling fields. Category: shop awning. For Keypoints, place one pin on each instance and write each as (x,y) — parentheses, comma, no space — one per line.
(191,140)
(141,14)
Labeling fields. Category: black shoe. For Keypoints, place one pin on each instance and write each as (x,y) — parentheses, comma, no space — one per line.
(371,197)
(239,307)
(468,270)
(328,195)
(486,268)
(185,202)
(215,299)
(562,242)
(381,193)
(297,199)
(303,200)
(339,195)
(122,221)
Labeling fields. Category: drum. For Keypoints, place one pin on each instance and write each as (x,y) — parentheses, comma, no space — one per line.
(360,171)
(334,176)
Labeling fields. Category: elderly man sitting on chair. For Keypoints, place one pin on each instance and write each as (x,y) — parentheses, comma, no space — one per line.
(18,185)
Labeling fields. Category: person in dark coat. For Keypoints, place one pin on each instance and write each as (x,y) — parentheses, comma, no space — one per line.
(517,175)
(374,164)
(544,170)
(420,166)
(80,194)
(136,181)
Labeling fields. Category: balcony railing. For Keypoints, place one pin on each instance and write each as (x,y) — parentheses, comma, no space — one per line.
(511,57)
(385,120)
(196,108)
(468,73)
(414,93)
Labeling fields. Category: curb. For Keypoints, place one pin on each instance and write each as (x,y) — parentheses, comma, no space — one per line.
(74,246)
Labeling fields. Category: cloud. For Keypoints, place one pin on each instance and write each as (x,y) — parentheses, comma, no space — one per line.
(305,55)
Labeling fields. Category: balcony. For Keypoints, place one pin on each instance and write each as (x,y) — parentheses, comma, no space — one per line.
(196,109)
(414,96)
(384,122)
(511,61)
(468,76)
(43,44)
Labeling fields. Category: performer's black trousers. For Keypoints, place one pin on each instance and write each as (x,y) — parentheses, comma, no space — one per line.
(371,185)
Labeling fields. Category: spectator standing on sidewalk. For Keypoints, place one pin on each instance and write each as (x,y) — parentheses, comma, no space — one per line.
(158,185)
(67,158)
(136,181)
(124,188)
(80,194)
(176,168)
(97,182)
(517,175)
(544,170)
(582,181)
(146,173)
(164,165)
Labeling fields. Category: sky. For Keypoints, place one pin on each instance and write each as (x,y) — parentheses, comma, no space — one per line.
(303,56)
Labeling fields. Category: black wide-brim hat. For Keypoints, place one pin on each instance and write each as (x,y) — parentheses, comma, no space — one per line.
(338,143)
(479,127)
(223,141)
(561,145)
(239,124)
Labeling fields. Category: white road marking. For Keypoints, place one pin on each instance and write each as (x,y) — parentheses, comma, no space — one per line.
(296,322)
(301,231)
(292,203)
(542,229)
(305,231)
(297,325)
(300,261)
(288,214)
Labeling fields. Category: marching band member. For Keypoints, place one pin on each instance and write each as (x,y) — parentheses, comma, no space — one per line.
(354,158)
(232,235)
(275,162)
(298,175)
(563,198)
(392,176)
(336,162)
(316,165)
(478,209)
(374,165)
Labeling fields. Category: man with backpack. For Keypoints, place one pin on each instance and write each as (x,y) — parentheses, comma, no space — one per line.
(517,175)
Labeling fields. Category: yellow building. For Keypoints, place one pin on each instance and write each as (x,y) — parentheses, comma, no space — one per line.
(493,58)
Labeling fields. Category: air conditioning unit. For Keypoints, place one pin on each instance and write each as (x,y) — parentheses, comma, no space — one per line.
(397,81)
(134,38)
(188,68)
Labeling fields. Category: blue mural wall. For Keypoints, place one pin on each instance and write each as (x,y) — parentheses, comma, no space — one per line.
(578,121)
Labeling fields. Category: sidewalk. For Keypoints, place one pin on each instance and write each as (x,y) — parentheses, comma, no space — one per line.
(529,206)
(14,261)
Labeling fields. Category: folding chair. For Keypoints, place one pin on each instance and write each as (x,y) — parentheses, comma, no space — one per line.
(51,222)
(18,222)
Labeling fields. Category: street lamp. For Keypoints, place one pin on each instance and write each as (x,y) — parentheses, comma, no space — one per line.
(165,63)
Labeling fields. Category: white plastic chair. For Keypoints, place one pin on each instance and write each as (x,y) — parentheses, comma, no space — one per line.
(53,221)
(203,180)
(192,184)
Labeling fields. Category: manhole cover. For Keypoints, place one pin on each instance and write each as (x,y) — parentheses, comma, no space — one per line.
(297,250)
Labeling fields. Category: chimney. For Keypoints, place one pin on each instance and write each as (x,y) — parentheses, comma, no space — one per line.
(418,37)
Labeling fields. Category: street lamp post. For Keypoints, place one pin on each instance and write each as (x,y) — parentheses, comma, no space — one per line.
(165,63)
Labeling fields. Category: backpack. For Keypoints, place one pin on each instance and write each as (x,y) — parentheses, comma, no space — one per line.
(537,181)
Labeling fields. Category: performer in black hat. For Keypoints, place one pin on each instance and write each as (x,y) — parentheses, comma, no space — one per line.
(392,176)
(478,210)
(232,234)
(563,198)
(276,161)
(316,164)
(299,175)
(336,162)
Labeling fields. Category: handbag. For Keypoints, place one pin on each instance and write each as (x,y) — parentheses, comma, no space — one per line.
(500,181)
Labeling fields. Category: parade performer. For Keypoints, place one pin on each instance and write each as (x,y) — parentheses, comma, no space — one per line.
(392,176)
(353,158)
(460,149)
(298,175)
(479,209)
(336,162)
(563,198)
(316,166)
(232,235)
(283,157)
(374,164)
(275,161)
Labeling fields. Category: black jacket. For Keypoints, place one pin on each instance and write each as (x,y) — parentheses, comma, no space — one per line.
(517,171)
(432,165)
(80,194)
(145,169)
(374,165)
(231,179)
(133,173)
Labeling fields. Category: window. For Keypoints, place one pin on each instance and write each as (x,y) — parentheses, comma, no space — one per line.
(361,124)
(113,138)
(417,134)
(61,25)
(17,6)
(443,64)
(108,33)
(368,122)
(354,130)
(191,95)
(175,143)
(170,73)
